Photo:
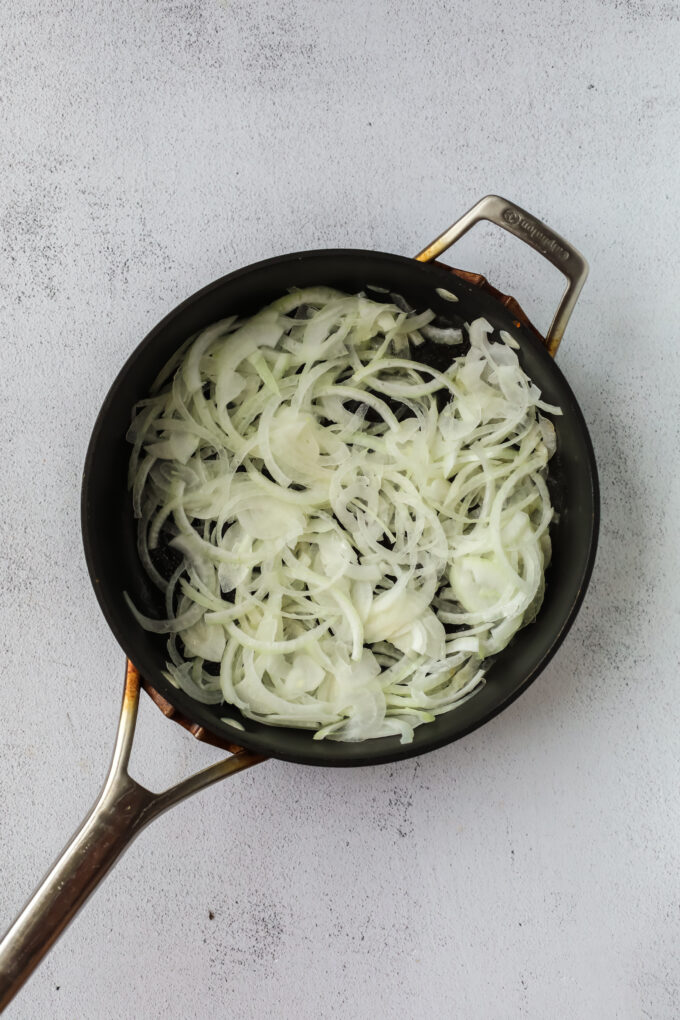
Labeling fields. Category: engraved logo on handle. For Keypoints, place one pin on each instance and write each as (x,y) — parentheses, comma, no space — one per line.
(536,232)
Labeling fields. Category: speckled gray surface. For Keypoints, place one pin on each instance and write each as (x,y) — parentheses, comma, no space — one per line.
(531,870)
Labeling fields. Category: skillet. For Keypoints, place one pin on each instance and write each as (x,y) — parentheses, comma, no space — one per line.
(124,807)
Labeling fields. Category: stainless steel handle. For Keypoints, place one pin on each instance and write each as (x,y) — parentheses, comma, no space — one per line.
(537,235)
(120,813)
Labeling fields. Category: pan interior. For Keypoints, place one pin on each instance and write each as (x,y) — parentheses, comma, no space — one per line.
(109,530)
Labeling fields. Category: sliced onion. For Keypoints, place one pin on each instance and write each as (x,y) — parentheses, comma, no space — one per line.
(356,531)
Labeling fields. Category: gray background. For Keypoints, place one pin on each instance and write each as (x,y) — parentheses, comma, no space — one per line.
(530,870)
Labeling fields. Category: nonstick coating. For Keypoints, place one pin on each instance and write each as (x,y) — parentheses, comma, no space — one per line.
(109,531)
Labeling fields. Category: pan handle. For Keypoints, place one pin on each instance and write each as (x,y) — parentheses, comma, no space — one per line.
(120,813)
(537,235)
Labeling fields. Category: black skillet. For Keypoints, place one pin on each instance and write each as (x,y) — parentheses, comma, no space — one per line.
(124,807)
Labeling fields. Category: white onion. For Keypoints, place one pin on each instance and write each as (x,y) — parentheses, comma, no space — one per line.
(356,531)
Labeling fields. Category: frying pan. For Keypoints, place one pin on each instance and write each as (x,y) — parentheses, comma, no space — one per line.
(124,807)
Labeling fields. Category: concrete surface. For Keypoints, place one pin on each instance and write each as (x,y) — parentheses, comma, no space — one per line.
(531,870)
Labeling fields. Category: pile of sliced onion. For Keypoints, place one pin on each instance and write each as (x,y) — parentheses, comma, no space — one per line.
(353,532)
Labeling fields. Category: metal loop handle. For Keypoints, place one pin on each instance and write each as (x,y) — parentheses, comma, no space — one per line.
(538,236)
(123,809)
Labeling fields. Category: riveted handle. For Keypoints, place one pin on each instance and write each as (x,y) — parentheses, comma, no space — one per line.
(122,810)
(538,236)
